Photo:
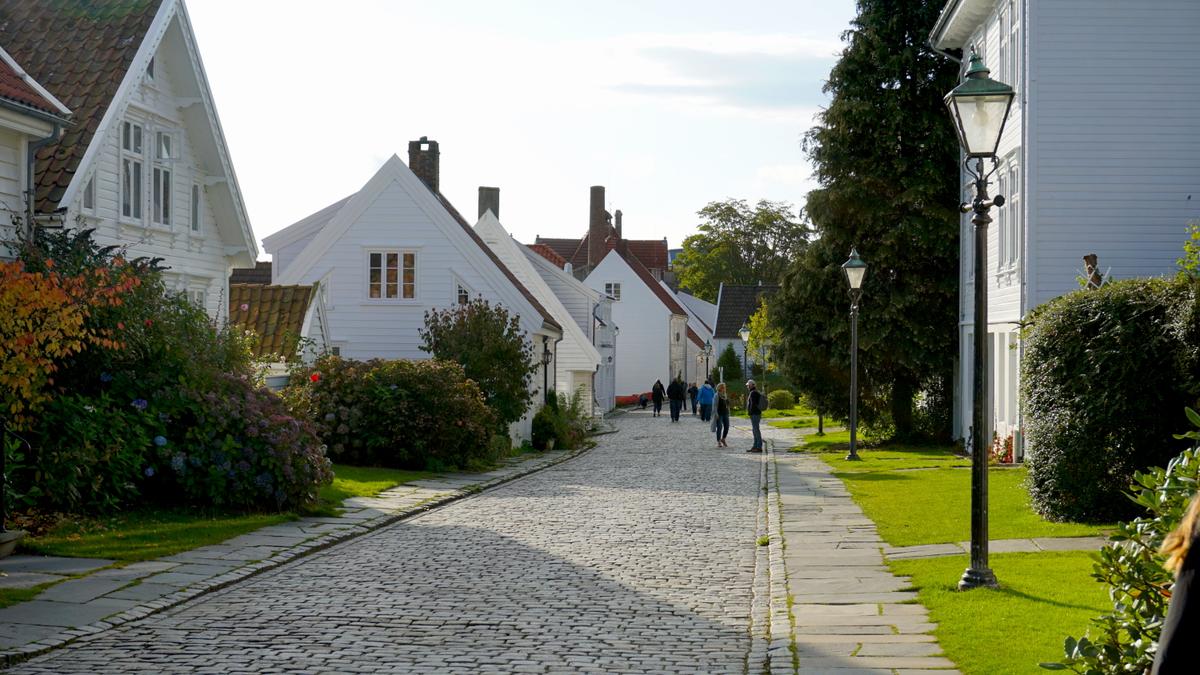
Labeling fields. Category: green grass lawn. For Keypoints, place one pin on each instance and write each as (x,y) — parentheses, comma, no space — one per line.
(1042,599)
(152,533)
(11,596)
(365,481)
(146,534)
(933,506)
(832,449)
(795,423)
(772,413)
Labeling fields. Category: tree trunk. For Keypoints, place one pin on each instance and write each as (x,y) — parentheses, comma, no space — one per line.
(820,424)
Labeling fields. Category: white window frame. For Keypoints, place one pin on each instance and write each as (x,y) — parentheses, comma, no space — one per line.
(400,290)
(1014,218)
(131,170)
(1014,45)
(459,290)
(162,183)
(198,297)
(613,290)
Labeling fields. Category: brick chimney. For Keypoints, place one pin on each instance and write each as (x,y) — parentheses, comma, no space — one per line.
(489,200)
(617,220)
(597,227)
(423,160)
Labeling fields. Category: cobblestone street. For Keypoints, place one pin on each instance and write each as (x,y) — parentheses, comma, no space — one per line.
(636,557)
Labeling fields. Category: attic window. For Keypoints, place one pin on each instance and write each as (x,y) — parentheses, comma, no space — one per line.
(150,69)
(89,195)
(463,295)
(613,290)
(391,275)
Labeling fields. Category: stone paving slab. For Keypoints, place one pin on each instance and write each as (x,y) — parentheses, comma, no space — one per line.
(25,579)
(114,596)
(1035,545)
(850,613)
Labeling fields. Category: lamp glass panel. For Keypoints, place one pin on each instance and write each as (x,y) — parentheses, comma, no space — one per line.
(982,120)
(855,276)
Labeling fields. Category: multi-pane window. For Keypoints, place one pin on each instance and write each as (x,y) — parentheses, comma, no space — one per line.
(195,208)
(131,170)
(161,195)
(1013,218)
(613,290)
(463,296)
(1014,45)
(197,297)
(1002,59)
(392,275)
(1002,217)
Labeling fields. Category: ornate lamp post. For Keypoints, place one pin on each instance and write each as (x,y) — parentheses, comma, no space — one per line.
(979,107)
(744,333)
(856,271)
(708,351)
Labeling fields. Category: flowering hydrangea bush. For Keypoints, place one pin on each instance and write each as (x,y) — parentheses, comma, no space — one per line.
(237,447)
(404,414)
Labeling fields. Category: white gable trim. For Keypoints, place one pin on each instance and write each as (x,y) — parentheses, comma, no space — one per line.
(33,84)
(303,227)
(507,249)
(394,171)
(568,279)
(121,101)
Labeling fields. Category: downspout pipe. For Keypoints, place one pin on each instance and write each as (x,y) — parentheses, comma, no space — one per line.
(30,177)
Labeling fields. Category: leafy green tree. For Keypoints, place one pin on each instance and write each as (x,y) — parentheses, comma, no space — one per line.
(738,244)
(886,160)
(731,362)
(493,350)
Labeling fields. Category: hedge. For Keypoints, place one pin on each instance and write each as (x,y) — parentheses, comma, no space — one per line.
(1105,378)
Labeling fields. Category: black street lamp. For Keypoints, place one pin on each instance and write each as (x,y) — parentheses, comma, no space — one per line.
(856,271)
(979,107)
(744,333)
(708,351)
(547,357)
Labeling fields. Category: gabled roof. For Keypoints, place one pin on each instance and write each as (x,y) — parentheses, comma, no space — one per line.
(541,263)
(703,310)
(80,50)
(277,314)
(437,207)
(577,348)
(259,274)
(735,304)
(564,248)
(663,294)
(20,91)
(548,254)
(651,252)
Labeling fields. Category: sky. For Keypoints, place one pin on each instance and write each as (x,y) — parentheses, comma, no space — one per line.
(669,104)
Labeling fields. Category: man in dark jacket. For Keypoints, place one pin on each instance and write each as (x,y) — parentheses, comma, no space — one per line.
(692,392)
(677,393)
(656,395)
(756,403)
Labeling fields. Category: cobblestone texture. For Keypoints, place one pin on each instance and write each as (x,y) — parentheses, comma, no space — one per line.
(636,557)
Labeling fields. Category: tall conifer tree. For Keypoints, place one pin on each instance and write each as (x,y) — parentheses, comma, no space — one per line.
(886,159)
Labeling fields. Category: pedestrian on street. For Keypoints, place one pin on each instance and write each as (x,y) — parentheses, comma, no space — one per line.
(721,418)
(705,398)
(692,392)
(677,393)
(656,395)
(642,401)
(756,403)
(1178,650)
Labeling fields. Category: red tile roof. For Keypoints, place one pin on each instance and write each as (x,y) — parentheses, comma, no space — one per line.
(565,248)
(14,88)
(275,313)
(651,252)
(549,254)
(79,50)
(655,287)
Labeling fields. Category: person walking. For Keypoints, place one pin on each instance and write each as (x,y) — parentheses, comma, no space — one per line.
(721,415)
(692,393)
(677,394)
(755,404)
(656,396)
(705,398)
(1178,650)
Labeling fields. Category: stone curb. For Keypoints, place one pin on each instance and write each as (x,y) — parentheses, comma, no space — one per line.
(758,658)
(780,655)
(13,656)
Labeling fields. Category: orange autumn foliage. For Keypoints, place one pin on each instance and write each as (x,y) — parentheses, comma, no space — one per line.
(43,321)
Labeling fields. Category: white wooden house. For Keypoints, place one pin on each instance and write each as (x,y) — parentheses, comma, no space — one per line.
(392,251)
(656,342)
(1100,154)
(29,116)
(591,310)
(144,161)
(576,359)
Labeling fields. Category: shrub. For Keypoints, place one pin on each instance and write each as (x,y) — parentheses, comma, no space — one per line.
(1132,567)
(545,428)
(88,454)
(782,399)
(333,394)
(493,350)
(731,362)
(1091,419)
(237,448)
(401,414)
